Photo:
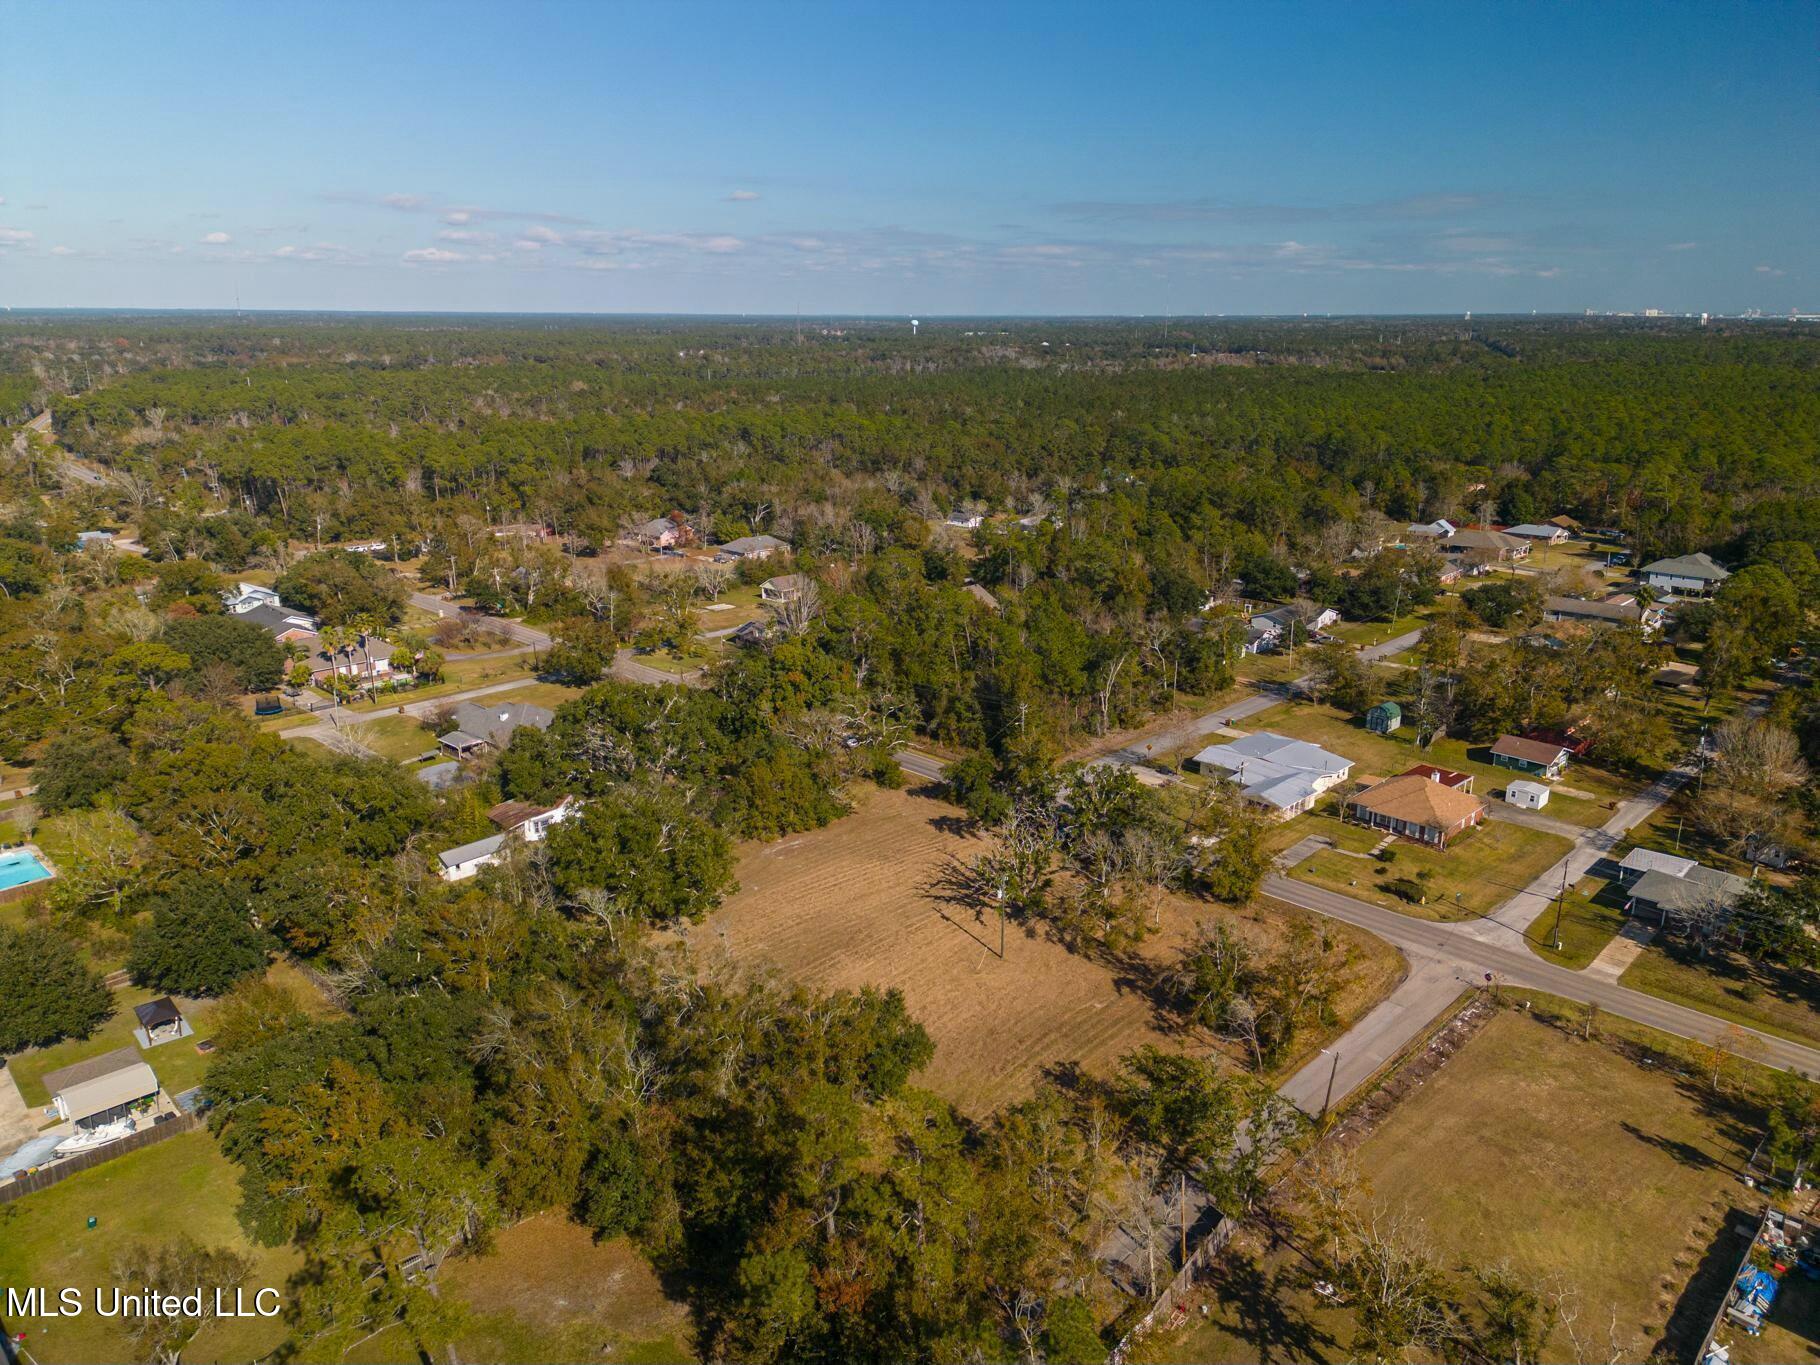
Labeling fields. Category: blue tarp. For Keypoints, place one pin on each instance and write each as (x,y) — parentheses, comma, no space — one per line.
(34,1153)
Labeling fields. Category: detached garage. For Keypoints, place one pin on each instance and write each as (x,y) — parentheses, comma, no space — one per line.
(1525,795)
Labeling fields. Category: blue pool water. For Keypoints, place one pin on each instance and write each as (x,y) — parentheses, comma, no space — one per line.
(18,868)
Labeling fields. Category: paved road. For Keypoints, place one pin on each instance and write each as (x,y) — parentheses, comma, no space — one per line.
(518,630)
(627,668)
(334,722)
(921,765)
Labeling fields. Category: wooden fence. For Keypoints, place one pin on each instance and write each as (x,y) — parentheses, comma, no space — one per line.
(82,1161)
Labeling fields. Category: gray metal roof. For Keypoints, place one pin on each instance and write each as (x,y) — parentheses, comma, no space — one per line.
(76,1073)
(1699,565)
(467,853)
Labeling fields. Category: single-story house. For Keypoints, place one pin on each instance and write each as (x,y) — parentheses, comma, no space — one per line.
(1533,756)
(1441,529)
(243,597)
(1525,794)
(1621,609)
(982,596)
(160,1021)
(525,531)
(1384,718)
(1411,805)
(1566,523)
(1695,573)
(965,521)
(529,820)
(1447,777)
(482,723)
(86,539)
(1662,894)
(458,864)
(101,1089)
(784,588)
(663,533)
(1448,572)
(751,635)
(752,547)
(1308,620)
(1280,774)
(282,624)
(1496,545)
(1546,533)
(1642,860)
(1569,739)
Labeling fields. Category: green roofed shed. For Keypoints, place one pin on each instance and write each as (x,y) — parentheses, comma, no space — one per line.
(1384,717)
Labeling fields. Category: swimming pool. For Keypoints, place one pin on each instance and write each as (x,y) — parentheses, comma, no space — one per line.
(20,867)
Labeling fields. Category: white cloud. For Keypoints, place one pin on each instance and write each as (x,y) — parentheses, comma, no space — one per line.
(742,196)
(1681,246)
(1768,270)
(457,217)
(404,203)
(61,250)
(433,255)
(465,235)
(543,234)
(526,244)
(15,236)
(216,239)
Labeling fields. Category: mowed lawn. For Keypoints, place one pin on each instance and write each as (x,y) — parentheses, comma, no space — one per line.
(178,1065)
(1387,755)
(1592,914)
(183,1184)
(855,904)
(1777,1000)
(1531,1146)
(1470,877)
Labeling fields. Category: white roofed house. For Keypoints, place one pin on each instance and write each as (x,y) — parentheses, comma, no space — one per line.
(965,521)
(102,1089)
(525,822)
(1439,529)
(784,588)
(1542,533)
(243,597)
(1279,774)
(458,864)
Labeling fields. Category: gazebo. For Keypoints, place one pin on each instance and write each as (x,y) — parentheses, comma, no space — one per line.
(160,1021)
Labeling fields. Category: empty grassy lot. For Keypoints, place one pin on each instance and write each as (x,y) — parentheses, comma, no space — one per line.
(1477,872)
(1778,1000)
(854,905)
(1387,755)
(183,1184)
(1560,1156)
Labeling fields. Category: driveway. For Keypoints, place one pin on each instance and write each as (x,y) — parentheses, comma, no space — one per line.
(518,630)
(18,1124)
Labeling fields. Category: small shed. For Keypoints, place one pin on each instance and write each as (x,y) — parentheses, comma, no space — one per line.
(1383,718)
(102,1088)
(1526,795)
(160,1021)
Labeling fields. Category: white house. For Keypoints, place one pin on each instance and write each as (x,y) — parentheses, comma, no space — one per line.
(458,864)
(1546,535)
(1439,529)
(784,588)
(965,521)
(529,820)
(1525,794)
(245,596)
(1282,775)
(1695,573)
(101,1089)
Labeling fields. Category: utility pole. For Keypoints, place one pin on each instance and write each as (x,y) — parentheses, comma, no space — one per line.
(1327,1103)
(1560,903)
(1181,1219)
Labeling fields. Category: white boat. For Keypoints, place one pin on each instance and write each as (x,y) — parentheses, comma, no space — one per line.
(99,1136)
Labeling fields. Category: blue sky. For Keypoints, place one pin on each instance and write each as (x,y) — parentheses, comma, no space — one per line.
(927,158)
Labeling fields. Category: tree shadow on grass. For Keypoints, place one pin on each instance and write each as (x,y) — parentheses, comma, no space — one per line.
(1684,1152)
(1259,1306)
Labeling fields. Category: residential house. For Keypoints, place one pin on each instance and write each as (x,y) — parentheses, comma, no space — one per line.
(243,597)
(281,624)
(1447,777)
(982,596)
(664,533)
(1428,809)
(752,547)
(965,521)
(1279,774)
(1285,626)
(1644,860)
(1660,893)
(1495,546)
(482,723)
(1546,533)
(1524,794)
(1622,609)
(1536,757)
(439,776)
(530,821)
(88,540)
(160,1021)
(1566,523)
(101,1089)
(751,635)
(783,589)
(1385,718)
(1696,573)
(1441,529)
(366,660)
(458,864)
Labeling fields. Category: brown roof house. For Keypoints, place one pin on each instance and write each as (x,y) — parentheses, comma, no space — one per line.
(1538,757)
(1418,806)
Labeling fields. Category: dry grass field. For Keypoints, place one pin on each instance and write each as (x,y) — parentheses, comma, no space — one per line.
(852,905)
